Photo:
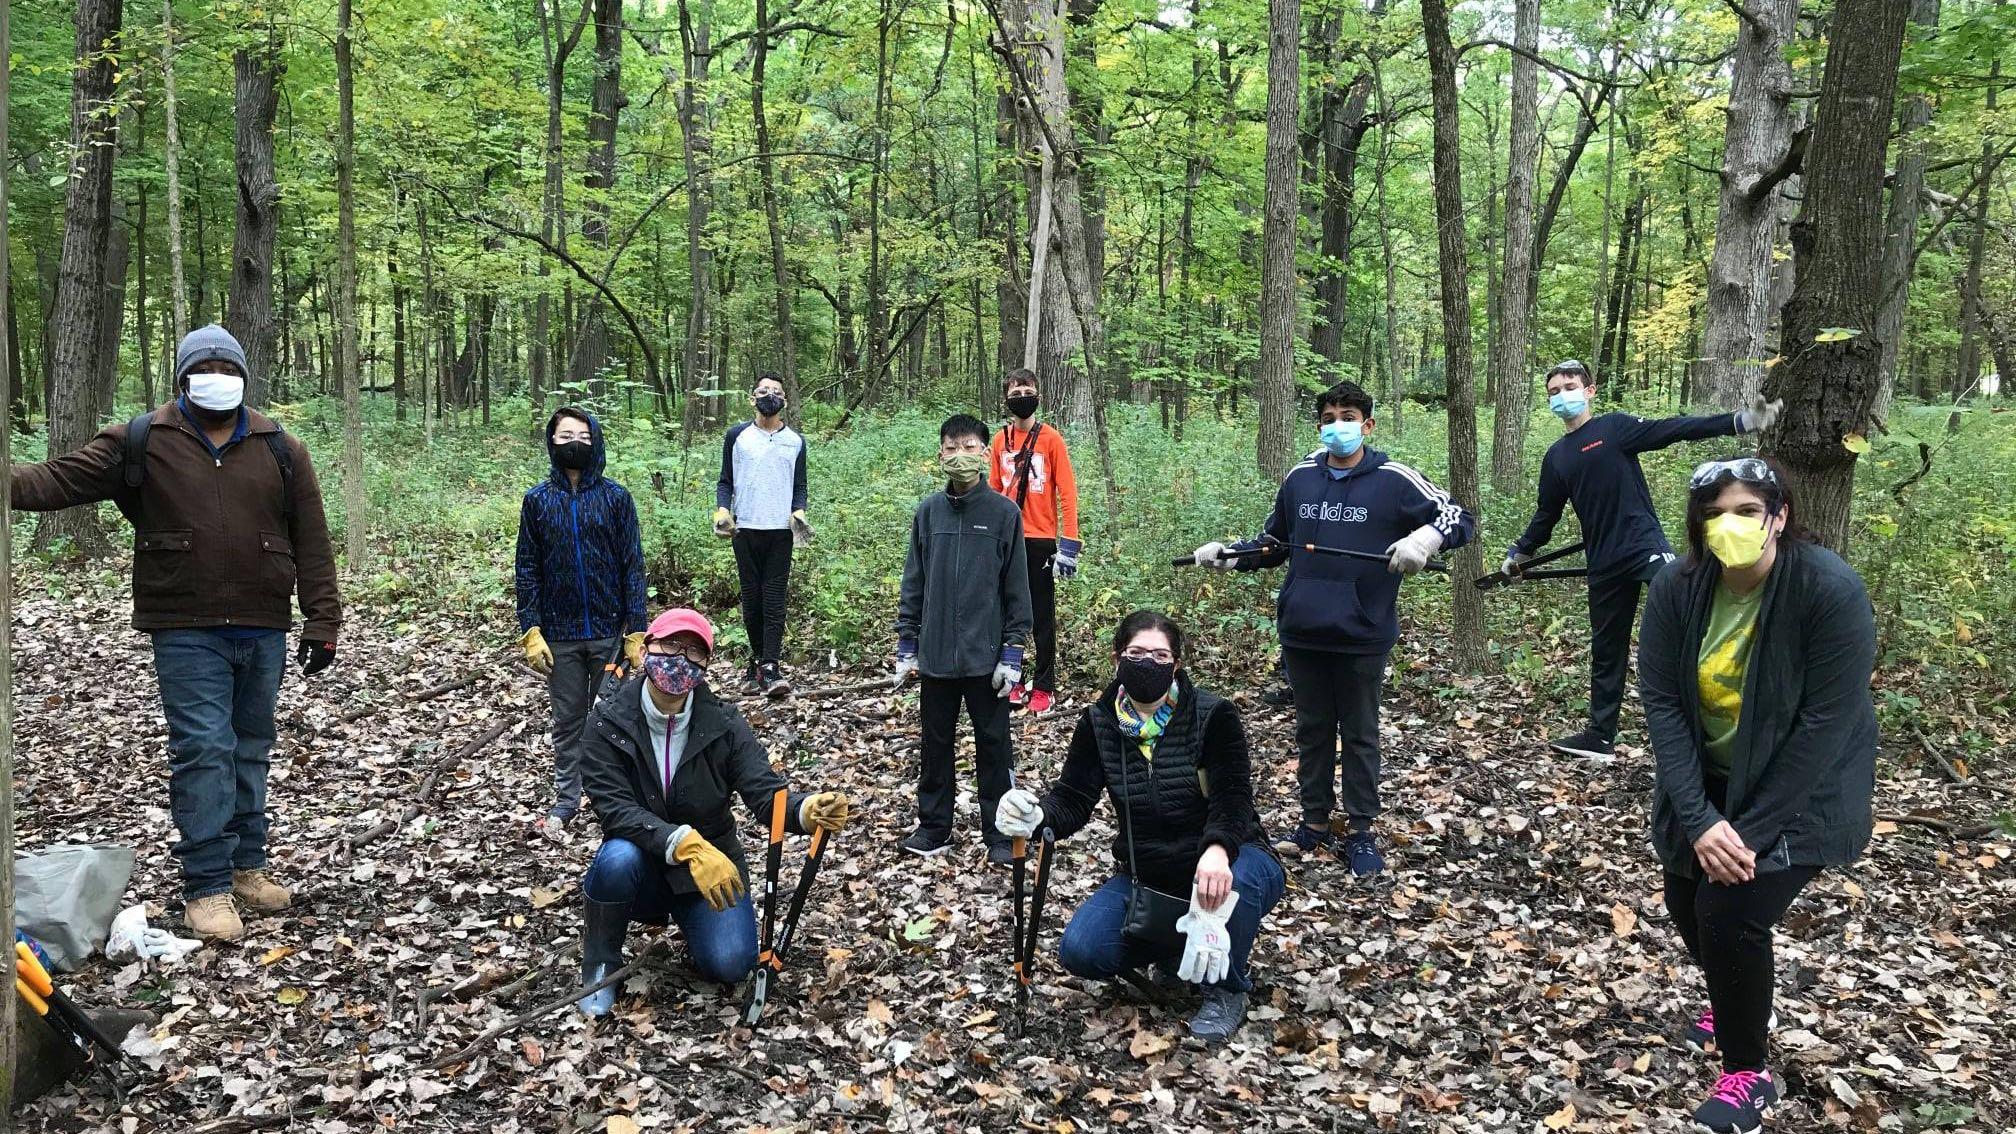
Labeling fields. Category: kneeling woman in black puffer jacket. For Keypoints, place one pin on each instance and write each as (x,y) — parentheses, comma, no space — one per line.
(1173,758)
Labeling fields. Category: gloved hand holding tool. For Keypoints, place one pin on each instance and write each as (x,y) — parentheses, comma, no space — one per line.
(1018,814)
(1521,567)
(1008,672)
(801,529)
(1409,554)
(1207,940)
(724,523)
(538,654)
(826,814)
(906,662)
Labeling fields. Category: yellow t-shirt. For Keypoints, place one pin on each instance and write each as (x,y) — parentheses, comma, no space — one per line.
(1723,660)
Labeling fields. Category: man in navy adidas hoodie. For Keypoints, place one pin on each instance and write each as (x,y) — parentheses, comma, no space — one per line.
(1595,467)
(1335,614)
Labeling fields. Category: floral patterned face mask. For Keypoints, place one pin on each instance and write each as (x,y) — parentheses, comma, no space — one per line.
(674,675)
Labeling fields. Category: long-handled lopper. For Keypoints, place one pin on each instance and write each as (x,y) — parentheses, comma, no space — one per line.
(1312,548)
(39,992)
(770,962)
(1526,570)
(1029,929)
(612,670)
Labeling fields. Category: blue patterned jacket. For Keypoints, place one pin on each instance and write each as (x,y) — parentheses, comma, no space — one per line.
(580,558)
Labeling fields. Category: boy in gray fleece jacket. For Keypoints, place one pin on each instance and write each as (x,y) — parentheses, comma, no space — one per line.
(960,624)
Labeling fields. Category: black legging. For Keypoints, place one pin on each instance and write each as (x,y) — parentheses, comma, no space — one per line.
(1728,933)
(763,564)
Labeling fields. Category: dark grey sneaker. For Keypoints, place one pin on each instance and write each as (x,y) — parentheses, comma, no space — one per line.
(1223,1012)
(927,845)
(1584,743)
(772,680)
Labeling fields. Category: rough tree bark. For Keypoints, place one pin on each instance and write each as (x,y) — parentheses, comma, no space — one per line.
(697,152)
(553,197)
(171,160)
(1275,380)
(1511,379)
(783,295)
(348,370)
(1973,301)
(591,347)
(250,317)
(74,406)
(1900,230)
(1830,388)
(1467,636)
(1758,153)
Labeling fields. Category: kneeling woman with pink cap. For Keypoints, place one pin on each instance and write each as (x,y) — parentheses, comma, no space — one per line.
(661,761)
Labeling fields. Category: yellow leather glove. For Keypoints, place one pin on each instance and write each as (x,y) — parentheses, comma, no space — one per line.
(713,872)
(724,523)
(827,811)
(538,654)
(633,651)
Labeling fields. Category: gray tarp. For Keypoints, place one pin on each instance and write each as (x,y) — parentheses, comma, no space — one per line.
(66,896)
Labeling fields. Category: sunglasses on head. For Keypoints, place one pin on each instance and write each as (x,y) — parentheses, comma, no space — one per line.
(1749,470)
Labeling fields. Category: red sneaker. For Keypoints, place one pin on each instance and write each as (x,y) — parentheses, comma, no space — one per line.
(1040,701)
(1018,694)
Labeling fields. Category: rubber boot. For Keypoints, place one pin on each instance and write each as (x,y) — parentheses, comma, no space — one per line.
(603,925)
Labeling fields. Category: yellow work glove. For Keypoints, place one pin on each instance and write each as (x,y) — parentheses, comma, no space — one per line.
(538,654)
(826,811)
(633,651)
(724,523)
(713,872)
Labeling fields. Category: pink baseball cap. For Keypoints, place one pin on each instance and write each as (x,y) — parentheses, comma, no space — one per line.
(681,619)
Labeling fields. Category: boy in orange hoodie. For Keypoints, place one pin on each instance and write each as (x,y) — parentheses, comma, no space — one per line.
(1032,466)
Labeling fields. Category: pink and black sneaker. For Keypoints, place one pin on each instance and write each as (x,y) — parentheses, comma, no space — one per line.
(1739,1103)
(1700,1035)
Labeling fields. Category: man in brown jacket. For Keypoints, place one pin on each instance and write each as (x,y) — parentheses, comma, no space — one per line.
(227,522)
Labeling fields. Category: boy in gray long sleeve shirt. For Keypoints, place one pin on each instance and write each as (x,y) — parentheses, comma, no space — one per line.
(961,621)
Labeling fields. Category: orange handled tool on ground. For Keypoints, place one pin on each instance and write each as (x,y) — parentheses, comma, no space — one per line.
(40,993)
(770,961)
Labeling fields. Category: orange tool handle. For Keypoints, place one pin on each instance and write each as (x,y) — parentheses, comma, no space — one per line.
(29,969)
(778,803)
(818,840)
(28,994)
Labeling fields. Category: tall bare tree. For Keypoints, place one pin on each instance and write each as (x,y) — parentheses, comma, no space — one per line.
(1275,381)
(8,347)
(1512,377)
(250,318)
(766,173)
(1467,638)
(1759,151)
(1900,230)
(171,160)
(696,21)
(75,405)
(1830,387)
(606,101)
(348,369)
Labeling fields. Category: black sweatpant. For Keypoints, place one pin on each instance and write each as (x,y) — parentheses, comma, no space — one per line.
(1613,609)
(1336,698)
(1041,672)
(1728,933)
(763,560)
(939,700)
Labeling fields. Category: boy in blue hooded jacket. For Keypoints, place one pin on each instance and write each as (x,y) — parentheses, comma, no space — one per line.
(1335,614)
(580,587)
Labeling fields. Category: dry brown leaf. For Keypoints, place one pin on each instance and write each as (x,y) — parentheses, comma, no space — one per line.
(1623,919)
(620,1124)
(1561,1119)
(1146,1043)
(277,953)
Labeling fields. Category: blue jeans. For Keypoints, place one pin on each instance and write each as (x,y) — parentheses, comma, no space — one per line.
(1095,948)
(218,696)
(723,944)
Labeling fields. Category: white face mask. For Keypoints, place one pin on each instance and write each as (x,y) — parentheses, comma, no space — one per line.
(216,392)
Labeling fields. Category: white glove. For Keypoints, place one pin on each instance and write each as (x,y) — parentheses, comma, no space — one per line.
(1513,559)
(1409,554)
(1207,941)
(1006,677)
(1213,555)
(1019,814)
(905,666)
(131,934)
(1760,416)
(801,529)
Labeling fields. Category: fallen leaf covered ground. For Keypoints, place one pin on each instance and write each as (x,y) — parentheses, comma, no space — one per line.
(1515,971)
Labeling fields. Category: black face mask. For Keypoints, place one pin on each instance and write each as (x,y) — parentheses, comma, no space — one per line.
(1024,406)
(576,455)
(770,405)
(1146,681)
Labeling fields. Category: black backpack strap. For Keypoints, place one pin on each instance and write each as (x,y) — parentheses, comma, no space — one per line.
(1023,460)
(283,455)
(133,466)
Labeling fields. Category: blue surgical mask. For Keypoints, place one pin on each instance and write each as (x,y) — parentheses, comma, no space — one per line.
(1342,438)
(1569,404)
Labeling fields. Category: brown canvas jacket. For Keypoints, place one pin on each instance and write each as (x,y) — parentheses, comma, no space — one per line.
(212,544)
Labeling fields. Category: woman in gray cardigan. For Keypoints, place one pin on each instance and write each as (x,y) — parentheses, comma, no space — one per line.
(1754,664)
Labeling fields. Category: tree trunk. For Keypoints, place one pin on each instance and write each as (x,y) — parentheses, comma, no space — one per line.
(606,101)
(783,294)
(1278,290)
(348,370)
(74,407)
(1830,388)
(251,313)
(697,151)
(1900,230)
(10,350)
(112,308)
(1512,382)
(1396,368)
(553,203)
(1973,302)
(171,158)
(1467,639)
(1755,155)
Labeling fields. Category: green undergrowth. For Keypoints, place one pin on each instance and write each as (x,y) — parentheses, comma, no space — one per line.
(1936,553)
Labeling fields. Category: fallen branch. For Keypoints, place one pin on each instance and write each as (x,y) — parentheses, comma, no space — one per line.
(422,697)
(426,792)
(470,1049)
(1953,773)
(1961,834)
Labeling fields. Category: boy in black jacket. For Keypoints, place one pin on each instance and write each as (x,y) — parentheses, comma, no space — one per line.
(1336,614)
(1595,467)
(961,620)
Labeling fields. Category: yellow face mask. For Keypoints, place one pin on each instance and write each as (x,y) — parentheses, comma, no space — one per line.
(1738,541)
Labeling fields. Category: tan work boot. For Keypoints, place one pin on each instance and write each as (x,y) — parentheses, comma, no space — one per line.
(214,918)
(259,892)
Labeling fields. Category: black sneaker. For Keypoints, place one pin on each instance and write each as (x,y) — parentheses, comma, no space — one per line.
(927,845)
(772,681)
(752,680)
(1361,850)
(1278,693)
(1000,854)
(1222,1014)
(1584,743)
(1304,841)
(1739,1103)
